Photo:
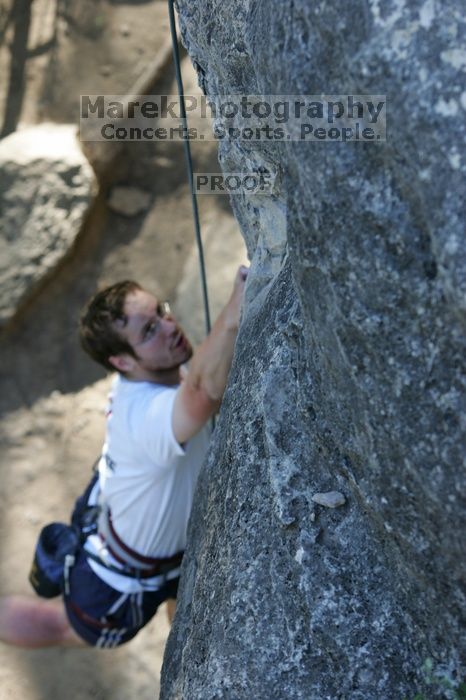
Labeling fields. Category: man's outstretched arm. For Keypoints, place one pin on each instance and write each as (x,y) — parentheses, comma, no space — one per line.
(200,394)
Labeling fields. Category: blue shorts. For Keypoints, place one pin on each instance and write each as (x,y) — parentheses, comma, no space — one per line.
(104,617)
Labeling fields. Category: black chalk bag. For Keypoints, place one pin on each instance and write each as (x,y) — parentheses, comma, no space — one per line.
(56,544)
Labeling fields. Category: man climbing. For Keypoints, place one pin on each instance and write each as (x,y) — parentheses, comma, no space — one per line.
(157,437)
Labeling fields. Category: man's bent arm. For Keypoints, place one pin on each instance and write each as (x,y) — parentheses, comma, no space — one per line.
(200,394)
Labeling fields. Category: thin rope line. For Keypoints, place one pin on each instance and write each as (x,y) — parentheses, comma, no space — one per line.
(189,164)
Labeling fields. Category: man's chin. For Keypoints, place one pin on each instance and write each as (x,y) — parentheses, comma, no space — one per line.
(184,358)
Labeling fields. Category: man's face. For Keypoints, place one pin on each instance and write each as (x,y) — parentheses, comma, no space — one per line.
(158,341)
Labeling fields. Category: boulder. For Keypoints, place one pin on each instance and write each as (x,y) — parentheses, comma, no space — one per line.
(349,372)
(46,188)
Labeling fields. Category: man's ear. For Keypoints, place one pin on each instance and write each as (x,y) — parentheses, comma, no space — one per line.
(123,363)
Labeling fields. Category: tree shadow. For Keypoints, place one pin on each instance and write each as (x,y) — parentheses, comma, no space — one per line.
(20,17)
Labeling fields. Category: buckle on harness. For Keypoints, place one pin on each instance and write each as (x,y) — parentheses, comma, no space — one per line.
(69,563)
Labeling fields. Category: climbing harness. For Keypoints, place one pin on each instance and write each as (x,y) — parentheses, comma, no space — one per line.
(92,516)
(59,544)
(189,163)
(134,562)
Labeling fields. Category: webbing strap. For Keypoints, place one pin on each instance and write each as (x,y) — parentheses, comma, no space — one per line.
(117,547)
(161,570)
(129,557)
(88,620)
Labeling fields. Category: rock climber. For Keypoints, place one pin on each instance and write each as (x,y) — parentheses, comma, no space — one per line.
(156,439)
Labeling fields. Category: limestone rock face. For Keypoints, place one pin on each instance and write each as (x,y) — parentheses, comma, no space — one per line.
(46,187)
(349,371)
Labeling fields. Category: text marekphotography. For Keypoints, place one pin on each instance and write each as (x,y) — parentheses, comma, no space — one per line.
(319,118)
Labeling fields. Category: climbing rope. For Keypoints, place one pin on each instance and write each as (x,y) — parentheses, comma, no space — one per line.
(189,163)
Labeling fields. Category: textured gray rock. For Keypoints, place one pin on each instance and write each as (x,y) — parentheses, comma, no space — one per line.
(349,372)
(46,188)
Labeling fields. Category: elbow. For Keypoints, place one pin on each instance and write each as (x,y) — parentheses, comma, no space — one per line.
(208,393)
(206,387)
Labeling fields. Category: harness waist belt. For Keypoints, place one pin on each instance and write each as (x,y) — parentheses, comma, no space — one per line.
(144,566)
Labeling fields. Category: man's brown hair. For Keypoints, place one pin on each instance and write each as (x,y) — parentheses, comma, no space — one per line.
(98,335)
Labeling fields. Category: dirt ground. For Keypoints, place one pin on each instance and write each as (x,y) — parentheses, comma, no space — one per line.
(51,396)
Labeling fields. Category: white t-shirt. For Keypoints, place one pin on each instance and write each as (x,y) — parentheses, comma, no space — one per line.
(146,478)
